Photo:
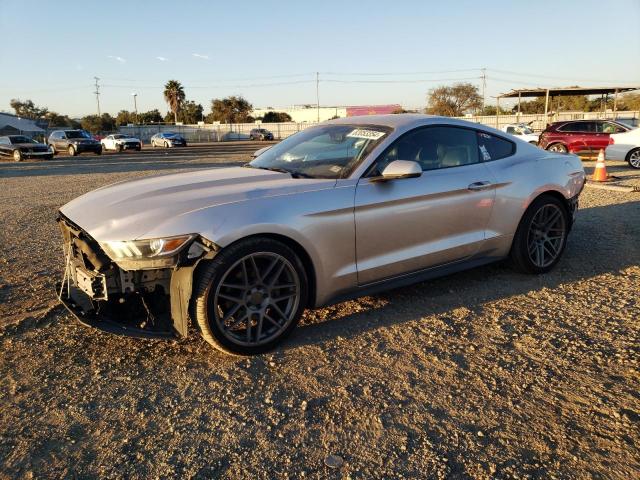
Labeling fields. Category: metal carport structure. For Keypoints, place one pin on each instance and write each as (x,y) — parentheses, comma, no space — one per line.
(559,92)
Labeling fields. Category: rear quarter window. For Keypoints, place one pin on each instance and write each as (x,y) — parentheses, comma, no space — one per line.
(494,148)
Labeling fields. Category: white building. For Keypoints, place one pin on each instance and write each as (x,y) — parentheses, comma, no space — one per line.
(311,113)
(304,113)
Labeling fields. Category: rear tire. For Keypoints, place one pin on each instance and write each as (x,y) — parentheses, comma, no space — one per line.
(17,155)
(53,150)
(541,235)
(98,152)
(633,158)
(250,297)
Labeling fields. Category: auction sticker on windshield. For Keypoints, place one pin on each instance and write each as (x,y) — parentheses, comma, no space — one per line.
(364,133)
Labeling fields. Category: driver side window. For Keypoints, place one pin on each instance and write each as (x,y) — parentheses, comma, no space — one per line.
(433,148)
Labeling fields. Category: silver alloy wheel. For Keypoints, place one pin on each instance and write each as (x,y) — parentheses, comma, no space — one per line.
(634,158)
(558,148)
(17,155)
(547,234)
(257,299)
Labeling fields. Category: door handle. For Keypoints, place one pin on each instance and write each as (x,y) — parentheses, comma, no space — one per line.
(480,185)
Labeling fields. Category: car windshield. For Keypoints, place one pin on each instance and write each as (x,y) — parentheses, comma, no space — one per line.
(20,139)
(116,137)
(524,130)
(77,134)
(326,151)
(169,135)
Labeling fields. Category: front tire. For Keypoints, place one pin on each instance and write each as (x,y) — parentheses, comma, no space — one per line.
(17,155)
(250,297)
(557,148)
(72,151)
(633,158)
(541,236)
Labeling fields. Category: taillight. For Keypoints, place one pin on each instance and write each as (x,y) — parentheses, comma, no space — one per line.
(611,140)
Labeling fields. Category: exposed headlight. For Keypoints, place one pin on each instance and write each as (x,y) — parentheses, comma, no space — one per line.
(151,253)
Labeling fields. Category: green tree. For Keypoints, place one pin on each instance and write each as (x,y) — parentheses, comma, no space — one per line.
(276,117)
(174,96)
(629,101)
(28,109)
(400,110)
(125,117)
(492,109)
(56,120)
(97,124)
(191,112)
(234,109)
(152,116)
(454,101)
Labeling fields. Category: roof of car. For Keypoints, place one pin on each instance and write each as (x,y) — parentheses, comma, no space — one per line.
(404,120)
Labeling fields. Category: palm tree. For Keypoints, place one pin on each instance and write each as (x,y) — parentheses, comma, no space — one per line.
(174,96)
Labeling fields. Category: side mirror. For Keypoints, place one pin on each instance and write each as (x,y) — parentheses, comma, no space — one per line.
(399,169)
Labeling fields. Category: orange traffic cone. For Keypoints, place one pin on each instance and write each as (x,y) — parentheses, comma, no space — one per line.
(600,173)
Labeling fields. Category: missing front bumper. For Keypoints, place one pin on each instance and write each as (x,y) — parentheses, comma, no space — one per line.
(83,308)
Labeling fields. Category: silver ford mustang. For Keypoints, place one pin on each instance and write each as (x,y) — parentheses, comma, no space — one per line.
(343,209)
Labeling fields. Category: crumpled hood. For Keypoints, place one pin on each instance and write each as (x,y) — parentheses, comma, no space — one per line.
(129,209)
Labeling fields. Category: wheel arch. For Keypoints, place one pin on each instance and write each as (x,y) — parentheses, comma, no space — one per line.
(548,192)
(556,142)
(299,250)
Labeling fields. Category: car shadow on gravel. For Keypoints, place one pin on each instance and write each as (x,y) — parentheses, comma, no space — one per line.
(603,240)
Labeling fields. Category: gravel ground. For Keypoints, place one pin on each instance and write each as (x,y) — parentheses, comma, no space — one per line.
(483,374)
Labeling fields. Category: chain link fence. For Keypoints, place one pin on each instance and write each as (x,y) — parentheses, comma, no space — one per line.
(215,132)
(241,131)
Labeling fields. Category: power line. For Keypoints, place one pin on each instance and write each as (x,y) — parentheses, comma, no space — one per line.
(421,80)
(551,77)
(399,73)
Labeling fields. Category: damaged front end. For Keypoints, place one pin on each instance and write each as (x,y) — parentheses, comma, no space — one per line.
(125,292)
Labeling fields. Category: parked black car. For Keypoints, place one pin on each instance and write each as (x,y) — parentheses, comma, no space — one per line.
(260,134)
(19,147)
(74,142)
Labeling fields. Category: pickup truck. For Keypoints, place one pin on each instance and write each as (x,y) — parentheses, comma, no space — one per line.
(522,131)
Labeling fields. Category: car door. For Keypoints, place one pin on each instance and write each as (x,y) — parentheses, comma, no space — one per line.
(573,136)
(5,146)
(603,131)
(411,224)
(61,141)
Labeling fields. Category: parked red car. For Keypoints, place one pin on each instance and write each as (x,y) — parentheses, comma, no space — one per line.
(579,136)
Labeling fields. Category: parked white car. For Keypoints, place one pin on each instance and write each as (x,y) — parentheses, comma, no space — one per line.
(119,142)
(625,146)
(522,131)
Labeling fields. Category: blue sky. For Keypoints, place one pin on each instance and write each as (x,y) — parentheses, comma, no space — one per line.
(269,51)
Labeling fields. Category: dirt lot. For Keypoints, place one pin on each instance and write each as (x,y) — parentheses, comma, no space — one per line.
(487,373)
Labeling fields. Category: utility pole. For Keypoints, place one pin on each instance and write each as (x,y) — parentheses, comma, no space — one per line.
(318,94)
(135,105)
(97,92)
(484,86)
